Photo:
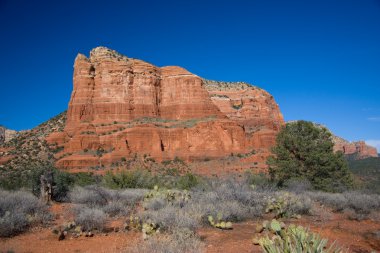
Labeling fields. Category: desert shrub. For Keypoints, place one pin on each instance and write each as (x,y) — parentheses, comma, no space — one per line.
(230,211)
(14,180)
(12,224)
(286,204)
(170,218)
(122,202)
(236,200)
(155,204)
(91,196)
(178,242)
(261,180)
(336,201)
(85,178)
(98,196)
(298,185)
(25,177)
(129,197)
(115,208)
(305,150)
(20,210)
(361,204)
(112,202)
(230,200)
(187,181)
(302,205)
(62,181)
(90,218)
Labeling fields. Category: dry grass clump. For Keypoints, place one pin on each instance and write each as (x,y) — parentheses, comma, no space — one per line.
(19,211)
(112,202)
(90,218)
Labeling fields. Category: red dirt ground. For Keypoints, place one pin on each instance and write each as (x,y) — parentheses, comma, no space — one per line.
(356,236)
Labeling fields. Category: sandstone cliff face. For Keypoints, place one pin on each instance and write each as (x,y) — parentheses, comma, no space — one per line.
(121,107)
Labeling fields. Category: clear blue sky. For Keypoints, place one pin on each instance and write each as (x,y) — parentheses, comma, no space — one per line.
(320,59)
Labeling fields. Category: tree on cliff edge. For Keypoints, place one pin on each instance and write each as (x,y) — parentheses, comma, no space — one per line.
(304,151)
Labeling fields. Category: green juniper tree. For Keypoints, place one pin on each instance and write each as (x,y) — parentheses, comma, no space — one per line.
(305,151)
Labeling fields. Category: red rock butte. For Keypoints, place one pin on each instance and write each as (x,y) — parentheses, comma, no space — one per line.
(121,107)
(359,148)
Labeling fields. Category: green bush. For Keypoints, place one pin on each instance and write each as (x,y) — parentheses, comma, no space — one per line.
(85,178)
(260,180)
(286,204)
(187,181)
(304,150)
(129,179)
(62,181)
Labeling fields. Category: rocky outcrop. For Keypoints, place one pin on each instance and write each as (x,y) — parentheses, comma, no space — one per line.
(6,134)
(122,107)
(356,150)
(2,134)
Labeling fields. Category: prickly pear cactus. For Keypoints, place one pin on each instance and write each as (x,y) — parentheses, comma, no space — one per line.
(281,204)
(134,223)
(275,225)
(218,222)
(171,196)
(149,228)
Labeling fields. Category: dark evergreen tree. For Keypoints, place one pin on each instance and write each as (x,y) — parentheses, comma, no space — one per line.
(305,151)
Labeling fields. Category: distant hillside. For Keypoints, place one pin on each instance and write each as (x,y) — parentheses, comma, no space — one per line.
(368,171)
(27,150)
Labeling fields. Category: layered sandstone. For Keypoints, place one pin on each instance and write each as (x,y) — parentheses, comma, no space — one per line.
(122,107)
